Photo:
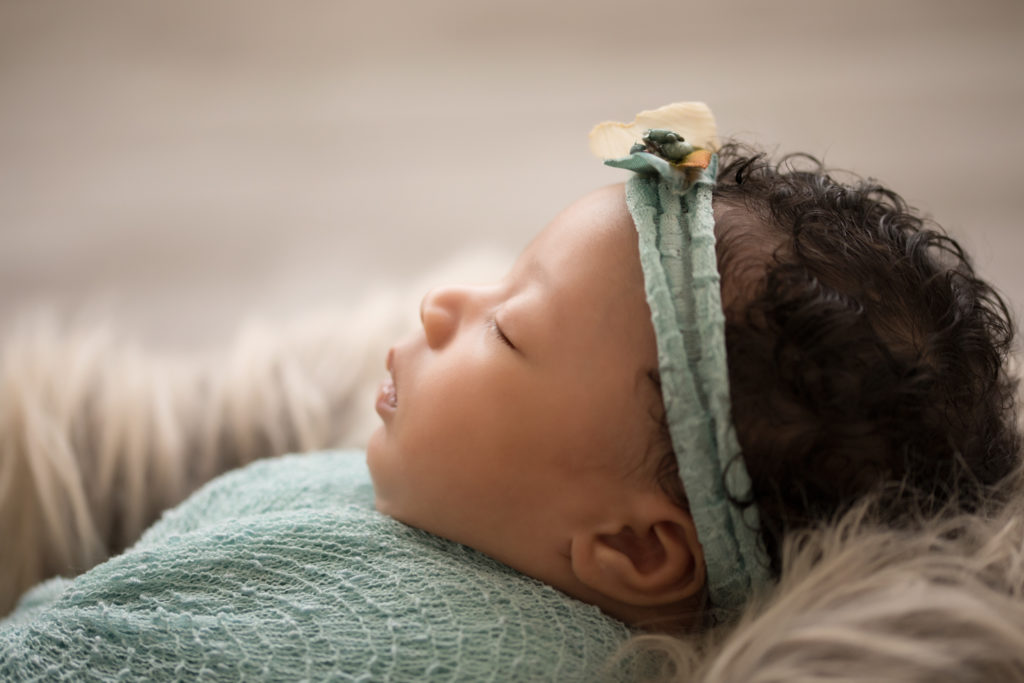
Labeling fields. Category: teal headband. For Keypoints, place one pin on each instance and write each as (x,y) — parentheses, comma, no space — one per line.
(669,199)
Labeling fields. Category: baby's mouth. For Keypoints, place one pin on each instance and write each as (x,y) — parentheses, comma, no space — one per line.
(392,392)
(387,394)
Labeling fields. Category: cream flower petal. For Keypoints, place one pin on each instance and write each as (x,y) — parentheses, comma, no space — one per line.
(692,120)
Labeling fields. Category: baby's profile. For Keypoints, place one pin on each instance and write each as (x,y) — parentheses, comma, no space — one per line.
(525,419)
(676,376)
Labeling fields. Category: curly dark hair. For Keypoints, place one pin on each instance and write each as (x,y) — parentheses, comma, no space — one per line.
(865,354)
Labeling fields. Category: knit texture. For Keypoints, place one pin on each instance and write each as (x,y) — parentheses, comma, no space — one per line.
(284,570)
(675,224)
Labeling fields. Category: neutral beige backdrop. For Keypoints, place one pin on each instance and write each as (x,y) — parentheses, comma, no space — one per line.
(184,165)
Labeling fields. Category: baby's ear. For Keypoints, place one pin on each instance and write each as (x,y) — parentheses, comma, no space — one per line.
(650,557)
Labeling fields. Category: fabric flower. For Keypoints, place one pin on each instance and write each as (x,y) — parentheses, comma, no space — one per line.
(692,122)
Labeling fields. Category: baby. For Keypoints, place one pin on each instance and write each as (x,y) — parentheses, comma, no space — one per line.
(527,418)
(673,377)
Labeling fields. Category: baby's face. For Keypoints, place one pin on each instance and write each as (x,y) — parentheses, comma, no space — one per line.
(523,409)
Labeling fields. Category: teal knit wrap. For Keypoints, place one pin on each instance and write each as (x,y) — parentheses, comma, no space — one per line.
(671,207)
(284,571)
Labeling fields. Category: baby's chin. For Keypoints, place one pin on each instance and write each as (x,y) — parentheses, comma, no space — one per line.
(381,470)
(374,455)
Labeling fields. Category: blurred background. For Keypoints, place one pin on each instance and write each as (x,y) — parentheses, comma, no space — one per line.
(183,166)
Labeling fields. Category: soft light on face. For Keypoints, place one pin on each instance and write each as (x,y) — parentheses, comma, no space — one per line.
(523,409)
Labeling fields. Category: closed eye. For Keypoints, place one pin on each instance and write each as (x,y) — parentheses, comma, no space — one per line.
(496,329)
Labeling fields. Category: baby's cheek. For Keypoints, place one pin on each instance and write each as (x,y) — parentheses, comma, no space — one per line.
(633,428)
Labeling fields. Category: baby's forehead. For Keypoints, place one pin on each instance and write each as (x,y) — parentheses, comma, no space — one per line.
(597,219)
(586,267)
(589,250)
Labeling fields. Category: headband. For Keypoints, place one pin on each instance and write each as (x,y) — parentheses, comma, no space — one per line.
(671,150)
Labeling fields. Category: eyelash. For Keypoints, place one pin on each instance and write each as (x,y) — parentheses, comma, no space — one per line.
(493,322)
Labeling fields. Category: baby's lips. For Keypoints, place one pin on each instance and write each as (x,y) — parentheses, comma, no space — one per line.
(387,399)
(390,364)
(387,394)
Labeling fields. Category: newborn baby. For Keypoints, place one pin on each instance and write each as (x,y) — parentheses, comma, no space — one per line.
(527,419)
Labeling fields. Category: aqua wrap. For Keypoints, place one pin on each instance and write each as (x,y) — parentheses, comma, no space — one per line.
(284,571)
(671,207)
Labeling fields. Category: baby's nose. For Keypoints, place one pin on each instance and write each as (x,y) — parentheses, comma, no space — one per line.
(439,313)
